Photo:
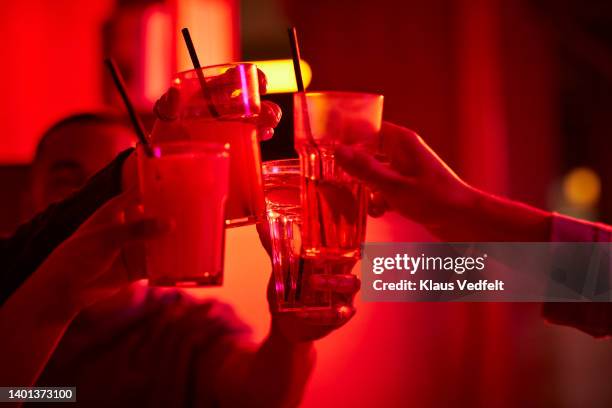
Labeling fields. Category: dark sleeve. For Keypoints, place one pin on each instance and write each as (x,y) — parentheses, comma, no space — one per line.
(594,318)
(23,252)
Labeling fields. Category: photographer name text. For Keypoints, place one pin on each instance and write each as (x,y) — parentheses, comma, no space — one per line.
(411,265)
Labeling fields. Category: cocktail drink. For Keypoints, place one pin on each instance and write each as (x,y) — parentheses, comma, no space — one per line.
(291,272)
(227,115)
(334,204)
(187,183)
(245,203)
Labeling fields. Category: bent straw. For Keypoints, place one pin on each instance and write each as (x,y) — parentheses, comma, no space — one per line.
(134,118)
(198,69)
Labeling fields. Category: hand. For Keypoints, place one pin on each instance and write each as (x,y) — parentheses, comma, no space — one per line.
(168,106)
(305,326)
(168,128)
(419,185)
(88,266)
(81,271)
(416,182)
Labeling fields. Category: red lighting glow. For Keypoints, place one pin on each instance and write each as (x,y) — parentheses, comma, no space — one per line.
(158,37)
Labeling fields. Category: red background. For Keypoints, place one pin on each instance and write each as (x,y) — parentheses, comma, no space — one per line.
(482,80)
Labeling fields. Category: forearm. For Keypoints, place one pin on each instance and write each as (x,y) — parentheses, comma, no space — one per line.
(483,217)
(32,322)
(26,250)
(594,318)
(273,375)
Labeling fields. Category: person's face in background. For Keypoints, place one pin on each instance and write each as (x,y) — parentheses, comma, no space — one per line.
(72,154)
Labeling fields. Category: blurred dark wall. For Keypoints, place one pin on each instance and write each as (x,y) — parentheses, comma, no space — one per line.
(531,93)
(401,49)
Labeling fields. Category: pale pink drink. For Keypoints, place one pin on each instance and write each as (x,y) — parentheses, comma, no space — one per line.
(187,184)
(245,203)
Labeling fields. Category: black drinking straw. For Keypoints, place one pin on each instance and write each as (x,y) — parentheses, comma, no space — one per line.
(134,118)
(295,55)
(198,69)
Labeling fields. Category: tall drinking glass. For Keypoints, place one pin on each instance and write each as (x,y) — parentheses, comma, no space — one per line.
(227,115)
(291,272)
(186,182)
(334,204)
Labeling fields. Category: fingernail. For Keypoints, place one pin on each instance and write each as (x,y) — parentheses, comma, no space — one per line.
(265,134)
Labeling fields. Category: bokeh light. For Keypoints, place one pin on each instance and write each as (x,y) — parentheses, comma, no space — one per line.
(280,75)
(582,187)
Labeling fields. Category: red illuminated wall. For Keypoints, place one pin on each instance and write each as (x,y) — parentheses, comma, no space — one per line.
(475,78)
(50,67)
(52,59)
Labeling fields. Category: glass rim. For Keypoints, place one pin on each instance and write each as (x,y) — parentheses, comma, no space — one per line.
(342,94)
(227,64)
(201,146)
(281,164)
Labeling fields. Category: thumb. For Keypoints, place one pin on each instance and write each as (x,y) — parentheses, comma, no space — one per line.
(108,230)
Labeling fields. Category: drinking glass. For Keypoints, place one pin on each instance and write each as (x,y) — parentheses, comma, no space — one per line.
(227,113)
(334,204)
(187,183)
(291,272)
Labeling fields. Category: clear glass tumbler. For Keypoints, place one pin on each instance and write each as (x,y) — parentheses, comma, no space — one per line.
(291,271)
(334,204)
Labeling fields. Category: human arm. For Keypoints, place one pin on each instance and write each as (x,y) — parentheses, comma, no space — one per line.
(271,374)
(592,318)
(23,252)
(275,373)
(419,185)
(81,271)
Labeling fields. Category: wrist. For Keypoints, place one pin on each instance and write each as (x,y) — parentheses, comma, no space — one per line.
(54,303)
(457,213)
(500,219)
(281,340)
(64,294)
